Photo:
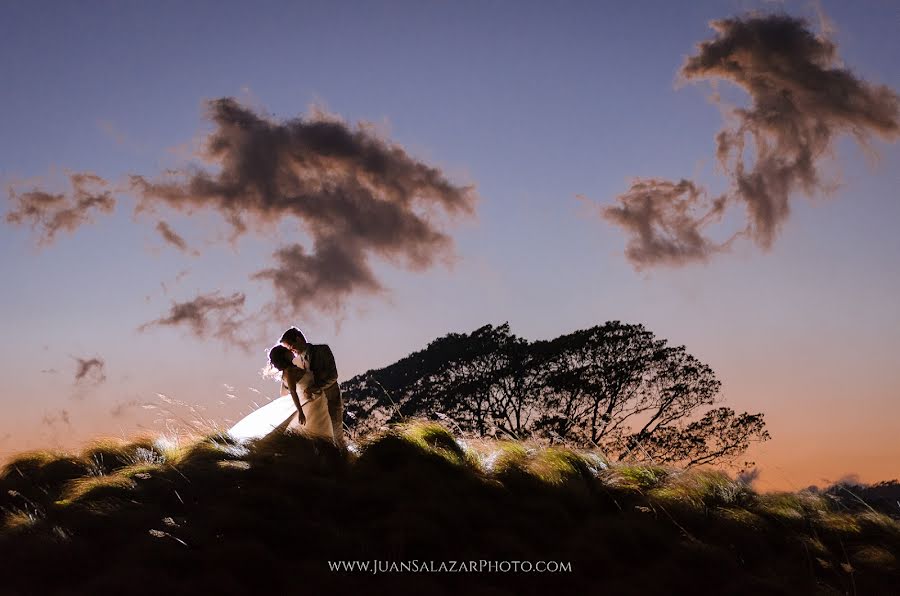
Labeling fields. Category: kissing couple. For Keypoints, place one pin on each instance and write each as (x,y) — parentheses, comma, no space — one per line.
(309,375)
(310,401)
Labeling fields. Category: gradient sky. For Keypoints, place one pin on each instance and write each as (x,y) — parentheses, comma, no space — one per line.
(536,104)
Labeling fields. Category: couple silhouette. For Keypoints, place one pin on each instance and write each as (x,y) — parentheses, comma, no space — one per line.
(310,401)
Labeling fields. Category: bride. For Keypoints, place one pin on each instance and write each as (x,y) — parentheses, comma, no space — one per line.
(308,415)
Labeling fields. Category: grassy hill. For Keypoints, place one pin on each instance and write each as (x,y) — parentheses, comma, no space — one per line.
(219,518)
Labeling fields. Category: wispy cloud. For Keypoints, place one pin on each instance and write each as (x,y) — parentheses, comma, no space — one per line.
(207,315)
(801,99)
(356,195)
(660,216)
(321,279)
(52,419)
(90,370)
(173,238)
(49,213)
(120,408)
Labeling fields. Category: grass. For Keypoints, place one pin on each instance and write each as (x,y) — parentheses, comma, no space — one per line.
(215,516)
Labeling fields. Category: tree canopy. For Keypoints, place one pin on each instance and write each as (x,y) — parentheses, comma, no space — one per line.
(613,386)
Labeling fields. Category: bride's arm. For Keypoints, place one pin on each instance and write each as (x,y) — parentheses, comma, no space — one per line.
(289,380)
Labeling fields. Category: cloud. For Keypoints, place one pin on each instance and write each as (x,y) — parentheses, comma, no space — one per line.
(178,277)
(50,420)
(322,279)
(122,139)
(207,315)
(90,370)
(356,195)
(801,99)
(172,237)
(51,213)
(660,217)
(119,409)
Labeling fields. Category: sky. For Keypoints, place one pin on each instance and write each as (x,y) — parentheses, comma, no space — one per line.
(510,134)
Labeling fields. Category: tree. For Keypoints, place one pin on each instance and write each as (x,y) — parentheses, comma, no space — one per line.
(614,386)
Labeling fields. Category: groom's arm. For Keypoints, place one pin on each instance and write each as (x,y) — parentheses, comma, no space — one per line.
(326,373)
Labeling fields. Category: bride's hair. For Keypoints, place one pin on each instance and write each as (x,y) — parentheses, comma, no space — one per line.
(281,357)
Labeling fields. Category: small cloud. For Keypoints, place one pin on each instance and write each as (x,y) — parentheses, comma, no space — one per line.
(51,420)
(660,218)
(322,279)
(119,409)
(110,129)
(52,213)
(90,370)
(174,238)
(207,315)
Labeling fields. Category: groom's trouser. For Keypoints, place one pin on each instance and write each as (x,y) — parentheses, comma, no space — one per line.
(336,413)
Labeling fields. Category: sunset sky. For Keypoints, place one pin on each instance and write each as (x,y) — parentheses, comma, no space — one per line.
(531,117)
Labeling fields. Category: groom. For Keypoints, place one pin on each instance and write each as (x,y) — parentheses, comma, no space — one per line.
(318,359)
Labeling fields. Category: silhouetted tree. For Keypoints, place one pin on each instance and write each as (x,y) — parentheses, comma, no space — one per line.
(614,386)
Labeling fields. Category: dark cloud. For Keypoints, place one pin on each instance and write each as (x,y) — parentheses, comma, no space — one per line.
(800,100)
(90,370)
(321,279)
(354,193)
(51,420)
(51,213)
(172,237)
(119,409)
(207,315)
(660,217)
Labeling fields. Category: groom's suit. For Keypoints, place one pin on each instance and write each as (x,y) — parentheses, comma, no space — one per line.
(320,361)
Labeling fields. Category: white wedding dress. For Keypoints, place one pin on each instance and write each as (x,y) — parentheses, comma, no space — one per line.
(282,414)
